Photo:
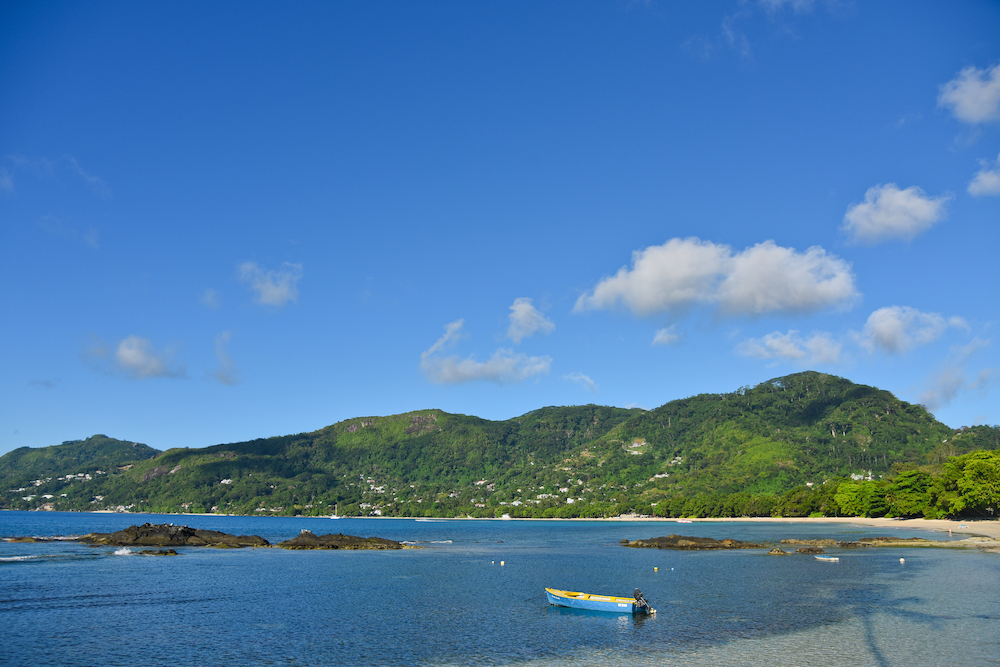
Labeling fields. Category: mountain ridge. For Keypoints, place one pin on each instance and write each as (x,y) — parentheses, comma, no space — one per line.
(785,432)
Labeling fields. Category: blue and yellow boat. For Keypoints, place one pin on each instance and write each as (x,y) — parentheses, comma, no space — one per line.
(573,600)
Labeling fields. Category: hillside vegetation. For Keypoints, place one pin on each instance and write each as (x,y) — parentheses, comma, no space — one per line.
(785,446)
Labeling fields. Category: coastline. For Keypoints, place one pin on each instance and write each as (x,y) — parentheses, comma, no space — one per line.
(971,527)
(983,527)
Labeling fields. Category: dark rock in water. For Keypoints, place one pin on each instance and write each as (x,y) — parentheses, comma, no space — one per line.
(777,552)
(169,535)
(813,543)
(306,540)
(810,550)
(682,542)
(159,552)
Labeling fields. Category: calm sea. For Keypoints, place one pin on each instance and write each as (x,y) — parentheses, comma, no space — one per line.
(452,603)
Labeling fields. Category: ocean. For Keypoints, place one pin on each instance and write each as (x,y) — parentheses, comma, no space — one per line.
(474,595)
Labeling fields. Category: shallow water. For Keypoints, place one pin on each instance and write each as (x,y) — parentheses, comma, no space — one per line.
(452,603)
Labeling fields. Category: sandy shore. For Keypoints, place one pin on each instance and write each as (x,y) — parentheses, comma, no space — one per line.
(984,527)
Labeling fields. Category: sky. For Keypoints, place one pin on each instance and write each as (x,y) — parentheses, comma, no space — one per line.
(233,220)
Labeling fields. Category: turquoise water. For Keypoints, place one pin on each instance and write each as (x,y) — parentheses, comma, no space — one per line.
(452,603)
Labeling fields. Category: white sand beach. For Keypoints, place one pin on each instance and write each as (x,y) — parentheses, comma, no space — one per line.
(987,528)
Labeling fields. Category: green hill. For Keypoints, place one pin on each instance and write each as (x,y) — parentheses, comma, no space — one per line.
(27,469)
(756,442)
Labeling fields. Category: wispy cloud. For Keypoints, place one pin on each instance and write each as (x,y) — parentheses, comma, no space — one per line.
(209,298)
(56,228)
(6,181)
(226,373)
(952,379)
(57,169)
(898,329)
(890,213)
(505,366)
(986,182)
(765,278)
(666,336)
(275,287)
(526,320)
(973,96)
(582,380)
(819,348)
(797,6)
(732,35)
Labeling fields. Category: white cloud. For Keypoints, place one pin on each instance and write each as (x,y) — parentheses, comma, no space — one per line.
(525,321)
(666,336)
(768,278)
(276,287)
(890,213)
(503,367)
(986,182)
(582,380)
(762,279)
(6,181)
(947,383)
(666,277)
(897,329)
(137,358)
(974,95)
(820,348)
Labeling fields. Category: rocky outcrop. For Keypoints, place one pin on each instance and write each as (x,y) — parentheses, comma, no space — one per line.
(158,552)
(153,473)
(809,550)
(777,552)
(692,543)
(307,540)
(169,535)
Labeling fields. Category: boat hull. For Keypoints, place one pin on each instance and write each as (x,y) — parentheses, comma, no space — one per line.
(613,603)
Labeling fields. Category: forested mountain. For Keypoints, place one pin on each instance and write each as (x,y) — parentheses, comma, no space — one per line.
(690,456)
(22,466)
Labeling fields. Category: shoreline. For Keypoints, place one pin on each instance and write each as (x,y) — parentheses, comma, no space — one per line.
(972,527)
(981,527)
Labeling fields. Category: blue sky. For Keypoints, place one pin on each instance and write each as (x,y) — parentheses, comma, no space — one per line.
(223,221)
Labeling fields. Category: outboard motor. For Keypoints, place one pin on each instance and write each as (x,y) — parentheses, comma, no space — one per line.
(639,600)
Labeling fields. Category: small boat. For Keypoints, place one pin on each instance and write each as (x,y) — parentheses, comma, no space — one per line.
(336,514)
(598,602)
(683,520)
(828,559)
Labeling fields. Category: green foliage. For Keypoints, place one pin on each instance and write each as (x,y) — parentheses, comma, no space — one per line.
(972,485)
(785,447)
(909,494)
